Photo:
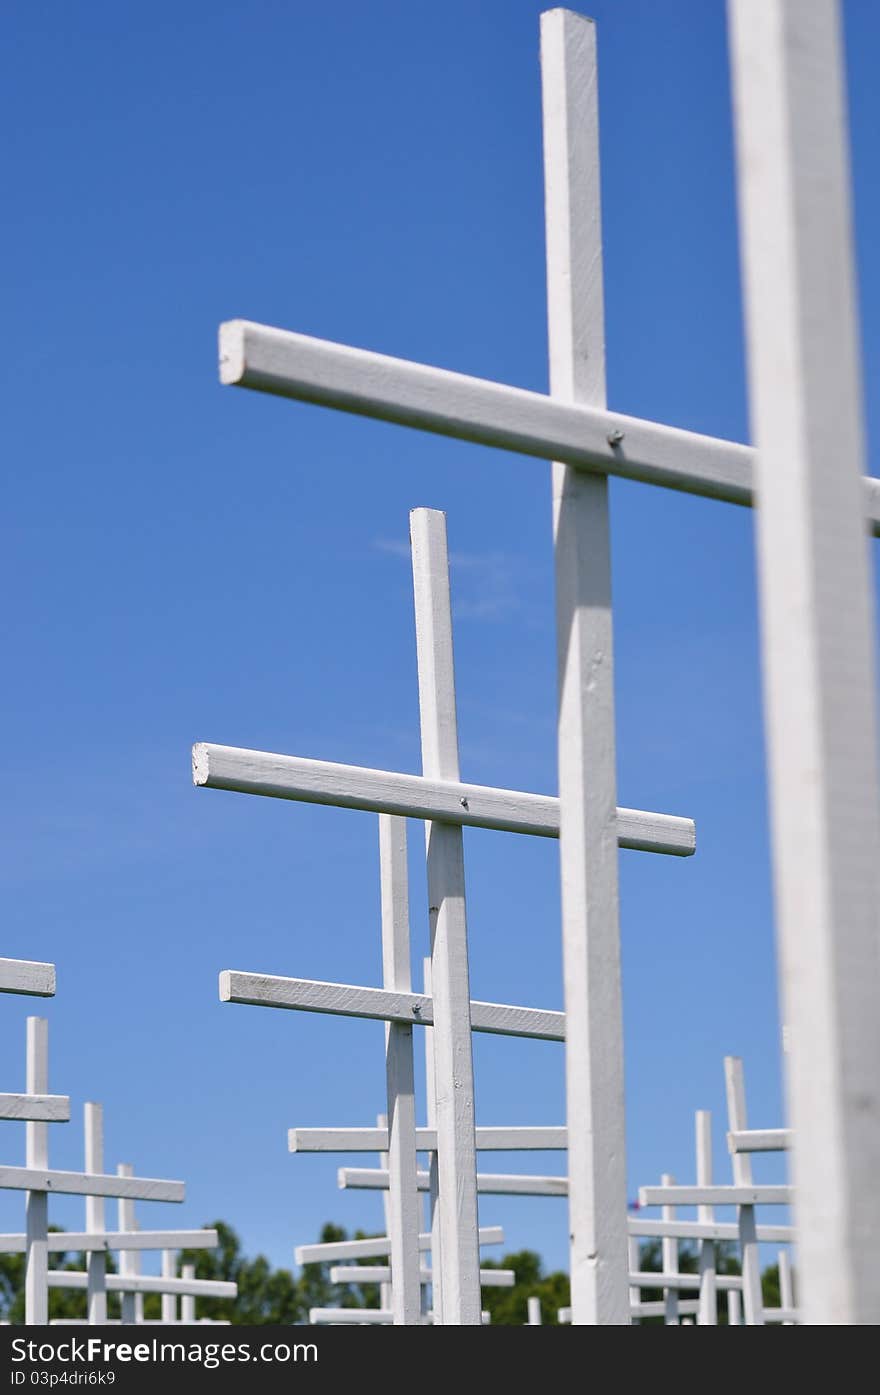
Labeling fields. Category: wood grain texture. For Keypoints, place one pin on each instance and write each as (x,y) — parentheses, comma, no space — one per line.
(96,1261)
(348,1000)
(705,1230)
(708,1314)
(51,1109)
(66,1241)
(495,1138)
(750,1257)
(85,1184)
(400,1135)
(36,1294)
(816,594)
(306,369)
(27,976)
(377,1245)
(586,727)
(415,796)
(458,1262)
(147,1283)
(381,1274)
(492,1184)
(721,1195)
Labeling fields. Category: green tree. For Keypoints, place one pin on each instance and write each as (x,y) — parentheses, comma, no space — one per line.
(509,1306)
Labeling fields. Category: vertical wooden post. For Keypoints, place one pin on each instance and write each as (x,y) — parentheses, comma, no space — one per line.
(402,1197)
(36,1284)
(634,1264)
(96,1262)
(125,1211)
(432,1196)
(786,1287)
(669,1261)
(708,1313)
(450,979)
(169,1300)
(818,630)
(742,1176)
(734,1307)
(587,779)
(533,1305)
(187,1300)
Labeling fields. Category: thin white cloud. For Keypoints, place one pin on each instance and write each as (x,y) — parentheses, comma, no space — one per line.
(484,584)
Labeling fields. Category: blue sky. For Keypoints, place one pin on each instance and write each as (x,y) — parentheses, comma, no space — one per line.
(183,562)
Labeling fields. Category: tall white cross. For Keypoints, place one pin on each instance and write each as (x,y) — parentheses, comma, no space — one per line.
(438,797)
(816,611)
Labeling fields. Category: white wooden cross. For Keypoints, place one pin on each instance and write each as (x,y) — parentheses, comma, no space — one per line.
(445,804)
(37,1179)
(816,612)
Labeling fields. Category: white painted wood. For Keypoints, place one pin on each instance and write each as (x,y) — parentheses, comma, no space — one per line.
(734,1309)
(68,1241)
(432,1201)
(494,1138)
(89,1184)
(37,1156)
(564,1315)
(708,1314)
(742,1175)
(818,630)
(348,1000)
(657,1308)
(96,1261)
(494,1184)
(350,1317)
(672,1279)
(188,1300)
(699,1230)
(789,1317)
(586,730)
(634,1256)
(131,1285)
(759,1141)
(669,1261)
(128,1266)
(293,365)
(400,1135)
(420,797)
(328,1252)
(786,1286)
(719,1195)
(533,1306)
(27,976)
(459,1270)
(49,1109)
(169,1300)
(381,1274)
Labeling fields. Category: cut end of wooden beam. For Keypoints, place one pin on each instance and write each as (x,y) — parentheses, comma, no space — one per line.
(231,346)
(30,977)
(226,987)
(201,763)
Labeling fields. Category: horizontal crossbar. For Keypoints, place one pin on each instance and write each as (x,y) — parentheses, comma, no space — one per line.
(706,1230)
(74,1241)
(494,1139)
(685,1307)
(53,1109)
(146,1283)
(346,1000)
(381,1274)
(759,1141)
(491,414)
(715,1196)
(33,1179)
(645,1278)
(413,796)
(377,1245)
(28,976)
(490,1184)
